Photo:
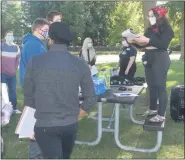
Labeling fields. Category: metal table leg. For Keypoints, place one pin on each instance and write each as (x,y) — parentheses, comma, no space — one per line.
(103,119)
(132,116)
(99,131)
(116,136)
(111,118)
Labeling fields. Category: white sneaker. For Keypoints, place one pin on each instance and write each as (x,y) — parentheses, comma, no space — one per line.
(16,111)
(157,118)
(149,112)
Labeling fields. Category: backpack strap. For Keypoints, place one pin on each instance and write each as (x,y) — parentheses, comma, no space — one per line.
(88,55)
(80,54)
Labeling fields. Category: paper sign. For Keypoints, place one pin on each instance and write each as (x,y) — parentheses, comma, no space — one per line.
(25,127)
(125,94)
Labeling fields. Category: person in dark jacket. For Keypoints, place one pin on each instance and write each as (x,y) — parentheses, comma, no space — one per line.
(33,45)
(51,86)
(156,60)
(127,60)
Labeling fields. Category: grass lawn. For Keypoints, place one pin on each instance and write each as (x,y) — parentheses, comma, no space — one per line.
(118,52)
(130,134)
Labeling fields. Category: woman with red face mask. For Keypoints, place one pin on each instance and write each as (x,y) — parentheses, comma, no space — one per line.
(156,60)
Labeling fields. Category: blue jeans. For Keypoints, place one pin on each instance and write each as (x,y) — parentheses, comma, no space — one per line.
(11,85)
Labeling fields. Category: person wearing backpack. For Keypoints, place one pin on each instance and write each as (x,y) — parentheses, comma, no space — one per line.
(88,52)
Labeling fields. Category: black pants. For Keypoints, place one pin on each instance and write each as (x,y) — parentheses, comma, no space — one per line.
(56,142)
(156,76)
(131,72)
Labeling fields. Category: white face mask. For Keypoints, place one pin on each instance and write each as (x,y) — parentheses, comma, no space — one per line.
(124,43)
(152,20)
(89,45)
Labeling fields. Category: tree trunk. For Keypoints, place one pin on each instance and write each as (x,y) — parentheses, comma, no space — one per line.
(147,5)
(182,36)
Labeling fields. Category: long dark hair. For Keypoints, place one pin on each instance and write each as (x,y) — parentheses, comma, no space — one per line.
(162,23)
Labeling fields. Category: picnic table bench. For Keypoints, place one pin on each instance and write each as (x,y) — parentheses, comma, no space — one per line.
(109,97)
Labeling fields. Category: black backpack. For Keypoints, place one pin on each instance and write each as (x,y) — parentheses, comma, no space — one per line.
(177,103)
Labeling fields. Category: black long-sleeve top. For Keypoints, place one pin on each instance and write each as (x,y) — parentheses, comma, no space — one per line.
(159,39)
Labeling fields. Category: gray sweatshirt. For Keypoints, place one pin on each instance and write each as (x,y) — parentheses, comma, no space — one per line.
(51,86)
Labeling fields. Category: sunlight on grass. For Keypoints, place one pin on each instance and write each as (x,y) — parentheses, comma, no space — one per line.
(172,151)
(171,83)
(171,72)
(123,155)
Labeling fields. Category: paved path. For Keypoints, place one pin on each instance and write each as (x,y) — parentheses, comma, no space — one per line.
(115,58)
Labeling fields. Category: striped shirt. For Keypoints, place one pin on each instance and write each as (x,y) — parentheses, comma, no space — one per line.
(10,58)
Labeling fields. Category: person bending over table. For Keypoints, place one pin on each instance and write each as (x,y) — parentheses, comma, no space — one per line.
(127,60)
(156,60)
(49,87)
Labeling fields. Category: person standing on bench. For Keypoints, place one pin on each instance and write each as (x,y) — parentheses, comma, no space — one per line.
(156,60)
(49,87)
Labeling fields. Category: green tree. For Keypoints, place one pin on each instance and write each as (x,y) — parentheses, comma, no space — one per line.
(11,17)
(126,15)
(86,19)
(176,14)
(98,22)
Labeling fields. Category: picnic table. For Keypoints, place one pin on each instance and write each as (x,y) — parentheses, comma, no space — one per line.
(109,97)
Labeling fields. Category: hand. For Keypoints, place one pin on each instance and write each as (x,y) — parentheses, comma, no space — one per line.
(50,42)
(32,138)
(130,40)
(82,113)
(126,71)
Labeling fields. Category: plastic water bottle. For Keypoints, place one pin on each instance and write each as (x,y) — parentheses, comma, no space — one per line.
(107,78)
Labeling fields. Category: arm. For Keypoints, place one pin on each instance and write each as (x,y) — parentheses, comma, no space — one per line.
(29,86)
(88,92)
(18,57)
(28,51)
(155,40)
(131,61)
(137,46)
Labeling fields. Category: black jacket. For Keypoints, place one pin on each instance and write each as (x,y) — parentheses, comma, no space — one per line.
(51,86)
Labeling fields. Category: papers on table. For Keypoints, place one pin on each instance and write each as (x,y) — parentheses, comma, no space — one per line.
(25,127)
(94,70)
(125,94)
